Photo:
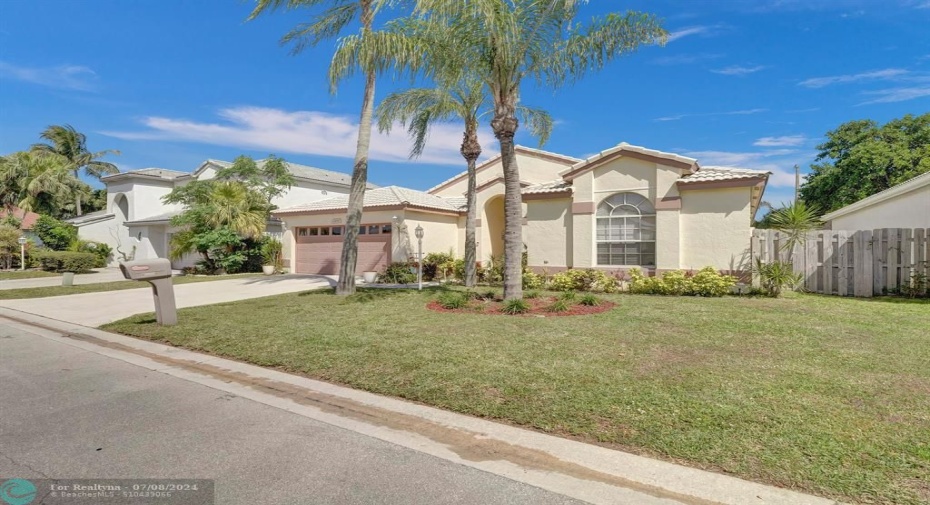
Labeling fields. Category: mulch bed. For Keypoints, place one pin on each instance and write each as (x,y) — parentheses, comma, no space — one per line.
(537,308)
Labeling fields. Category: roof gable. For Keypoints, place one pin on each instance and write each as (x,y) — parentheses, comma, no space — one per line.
(899,189)
(628,150)
(526,151)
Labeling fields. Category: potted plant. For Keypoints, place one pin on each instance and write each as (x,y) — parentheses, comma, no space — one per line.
(271,256)
(370,277)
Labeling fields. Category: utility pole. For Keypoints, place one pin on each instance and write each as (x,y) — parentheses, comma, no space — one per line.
(797,182)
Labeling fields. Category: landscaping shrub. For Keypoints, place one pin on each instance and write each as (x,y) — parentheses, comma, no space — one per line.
(65,261)
(568,295)
(100,251)
(917,287)
(9,245)
(532,280)
(587,279)
(453,300)
(271,252)
(558,306)
(529,295)
(589,300)
(494,272)
(439,265)
(515,306)
(54,234)
(709,282)
(776,276)
(397,273)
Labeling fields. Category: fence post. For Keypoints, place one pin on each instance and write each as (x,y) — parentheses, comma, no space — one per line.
(828,261)
(907,256)
(891,260)
(878,262)
(862,264)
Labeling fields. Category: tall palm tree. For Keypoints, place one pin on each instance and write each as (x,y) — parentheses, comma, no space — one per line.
(71,145)
(336,15)
(503,42)
(466,101)
(39,183)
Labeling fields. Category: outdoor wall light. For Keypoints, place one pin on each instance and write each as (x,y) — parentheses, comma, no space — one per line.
(418,231)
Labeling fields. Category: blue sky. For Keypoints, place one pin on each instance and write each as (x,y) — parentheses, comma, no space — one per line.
(170,83)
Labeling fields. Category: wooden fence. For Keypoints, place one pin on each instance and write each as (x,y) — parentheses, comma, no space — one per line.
(851,263)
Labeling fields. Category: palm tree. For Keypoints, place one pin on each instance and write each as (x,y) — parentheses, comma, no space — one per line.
(795,221)
(335,17)
(502,42)
(233,205)
(39,183)
(467,100)
(71,145)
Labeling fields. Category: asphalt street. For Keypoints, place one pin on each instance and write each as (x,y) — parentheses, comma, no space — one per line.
(69,413)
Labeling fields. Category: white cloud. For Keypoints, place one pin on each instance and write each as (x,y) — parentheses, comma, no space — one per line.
(685,59)
(744,112)
(74,77)
(886,74)
(694,30)
(738,70)
(897,94)
(304,132)
(783,141)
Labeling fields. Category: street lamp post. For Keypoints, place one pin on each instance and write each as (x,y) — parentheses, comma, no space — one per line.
(419,233)
(22,252)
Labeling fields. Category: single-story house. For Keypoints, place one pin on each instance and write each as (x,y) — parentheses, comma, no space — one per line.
(27,221)
(137,223)
(906,205)
(624,207)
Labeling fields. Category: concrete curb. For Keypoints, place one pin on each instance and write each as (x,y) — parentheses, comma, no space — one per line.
(578,470)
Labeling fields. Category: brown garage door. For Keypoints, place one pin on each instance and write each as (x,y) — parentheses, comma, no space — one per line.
(320,247)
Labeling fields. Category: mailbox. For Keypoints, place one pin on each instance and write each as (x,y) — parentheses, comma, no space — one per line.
(156,272)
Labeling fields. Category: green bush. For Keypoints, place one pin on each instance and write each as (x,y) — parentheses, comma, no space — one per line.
(453,300)
(776,276)
(397,273)
(558,306)
(515,306)
(100,250)
(438,265)
(532,280)
(494,272)
(54,234)
(707,282)
(587,279)
(65,261)
(568,296)
(589,300)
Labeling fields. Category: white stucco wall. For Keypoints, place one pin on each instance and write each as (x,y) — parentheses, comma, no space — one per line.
(716,228)
(548,226)
(907,210)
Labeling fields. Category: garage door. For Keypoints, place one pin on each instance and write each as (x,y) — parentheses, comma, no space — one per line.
(320,247)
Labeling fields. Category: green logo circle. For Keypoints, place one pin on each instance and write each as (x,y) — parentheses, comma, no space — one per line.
(18,491)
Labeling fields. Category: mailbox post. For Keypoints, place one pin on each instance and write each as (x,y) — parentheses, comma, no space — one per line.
(156,272)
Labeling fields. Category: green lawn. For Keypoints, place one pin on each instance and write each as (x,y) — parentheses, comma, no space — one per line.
(9,275)
(820,394)
(15,294)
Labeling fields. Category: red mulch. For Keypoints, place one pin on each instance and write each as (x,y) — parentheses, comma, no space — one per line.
(537,308)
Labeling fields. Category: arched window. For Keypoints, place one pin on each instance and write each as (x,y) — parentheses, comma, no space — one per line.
(626,231)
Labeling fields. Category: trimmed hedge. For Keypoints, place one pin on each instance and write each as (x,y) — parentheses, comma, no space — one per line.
(65,261)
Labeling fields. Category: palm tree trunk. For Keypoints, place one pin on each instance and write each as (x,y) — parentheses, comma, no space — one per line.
(346,283)
(505,125)
(470,150)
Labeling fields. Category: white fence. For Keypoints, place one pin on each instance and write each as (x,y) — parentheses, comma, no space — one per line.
(851,263)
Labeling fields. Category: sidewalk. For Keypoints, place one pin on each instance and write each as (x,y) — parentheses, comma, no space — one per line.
(574,469)
(94,309)
(99,275)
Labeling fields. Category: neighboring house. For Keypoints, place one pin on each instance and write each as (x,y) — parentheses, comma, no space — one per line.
(906,205)
(137,223)
(624,207)
(27,220)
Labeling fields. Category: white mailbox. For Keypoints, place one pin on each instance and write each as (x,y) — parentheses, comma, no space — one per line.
(156,272)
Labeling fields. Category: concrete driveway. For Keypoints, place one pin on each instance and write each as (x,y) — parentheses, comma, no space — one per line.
(94,309)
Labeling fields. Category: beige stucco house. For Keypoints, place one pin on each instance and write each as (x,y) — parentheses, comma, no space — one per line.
(906,205)
(624,207)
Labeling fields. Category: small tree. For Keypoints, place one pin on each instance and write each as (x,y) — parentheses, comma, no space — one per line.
(9,245)
(54,234)
(795,221)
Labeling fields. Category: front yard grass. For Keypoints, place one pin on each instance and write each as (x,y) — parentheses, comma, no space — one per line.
(10,275)
(825,395)
(42,292)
